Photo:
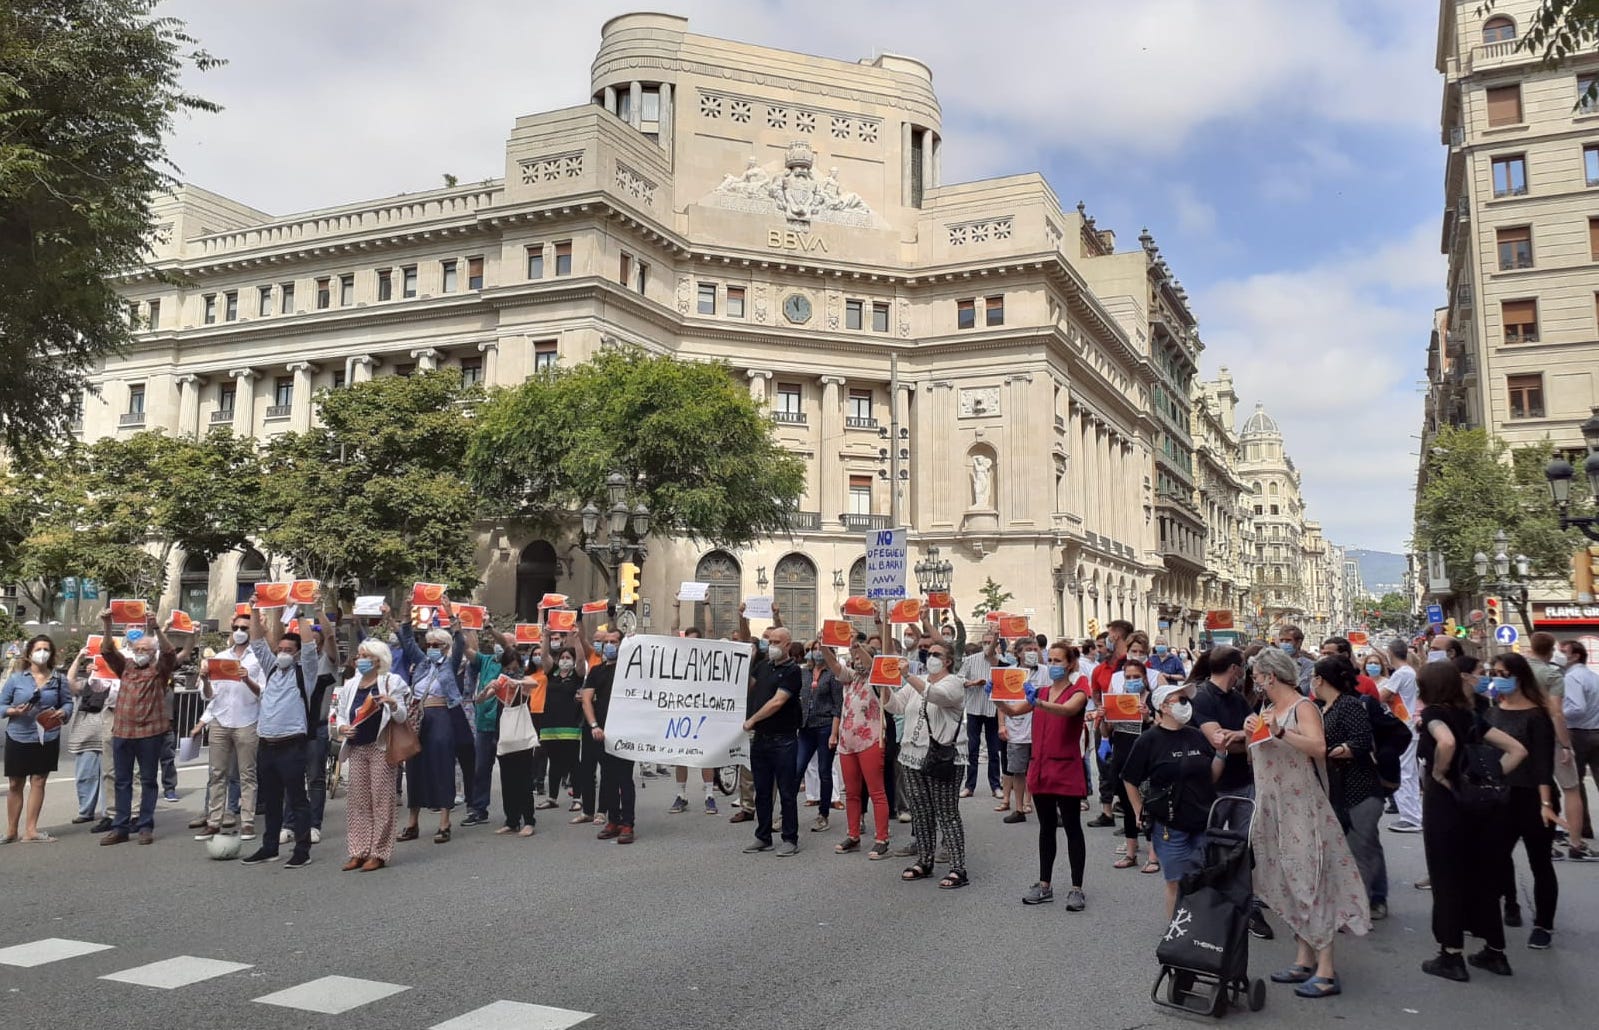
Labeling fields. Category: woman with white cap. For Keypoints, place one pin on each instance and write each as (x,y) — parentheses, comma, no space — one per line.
(1171,775)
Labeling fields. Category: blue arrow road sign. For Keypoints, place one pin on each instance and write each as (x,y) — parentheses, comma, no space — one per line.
(1506,635)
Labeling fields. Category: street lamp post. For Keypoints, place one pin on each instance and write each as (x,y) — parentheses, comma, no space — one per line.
(933,575)
(1559,473)
(1502,583)
(625,531)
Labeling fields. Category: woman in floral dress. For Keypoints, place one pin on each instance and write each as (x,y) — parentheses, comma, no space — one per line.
(858,738)
(1303,867)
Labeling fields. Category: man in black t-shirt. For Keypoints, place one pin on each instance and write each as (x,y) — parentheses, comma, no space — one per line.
(616,773)
(774,717)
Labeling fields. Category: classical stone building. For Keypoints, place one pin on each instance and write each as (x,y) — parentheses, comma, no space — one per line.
(1224,497)
(1277,567)
(972,359)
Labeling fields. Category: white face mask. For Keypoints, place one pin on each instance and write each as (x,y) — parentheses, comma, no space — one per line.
(285,660)
(240,637)
(1181,712)
(566,665)
(142,658)
(1030,659)
(41,656)
(935,664)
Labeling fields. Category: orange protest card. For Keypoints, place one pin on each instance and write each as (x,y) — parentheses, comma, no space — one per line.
(271,595)
(859,606)
(888,670)
(129,613)
(224,669)
(561,620)
(102,669)
(368,709)
(837,633)
(528,633)
(1357,639)
(1262,732)
(427,594)
(1008,684)
(304,591)
(993,618)
(908,610)
(92,645)
(596,607)
(552,601)
(471,615)
(182,621)
(1014,627)
(242,608)
(1123,708)
(1396,704)
(505,689)
(939,599)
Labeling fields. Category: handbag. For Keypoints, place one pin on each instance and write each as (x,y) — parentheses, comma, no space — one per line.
(405,741)
(516,730)
(1479,777)
(941,763)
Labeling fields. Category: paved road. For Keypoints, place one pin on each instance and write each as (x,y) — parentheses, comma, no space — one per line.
(679,930)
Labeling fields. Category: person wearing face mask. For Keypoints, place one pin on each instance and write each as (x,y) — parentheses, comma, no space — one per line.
(773,707)
(617,792)
(1171,772)
(821,705)
(284,730)
(859,740)
(1341,647)
(1352,783)
(934,710)
(436,686)
(1133,678)
(1056,775)
(140,723)
(1166,664)
(1112,648)
(1401,686)
(1291,641)
(517,798)
(561,729)
(1521,710)
(86,734)
(37,701)
(483,667)
(234,707)
(982,719)
(1016,730)
(376,697)
(1548,666)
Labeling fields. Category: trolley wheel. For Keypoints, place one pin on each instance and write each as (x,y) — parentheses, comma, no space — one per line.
(1257,995)
(1178,986)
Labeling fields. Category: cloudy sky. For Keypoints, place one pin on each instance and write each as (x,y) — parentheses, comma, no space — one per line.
(1285,155)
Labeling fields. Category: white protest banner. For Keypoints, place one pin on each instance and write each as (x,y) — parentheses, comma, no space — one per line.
(885,564)
(693,591)
(368,604)
(758,607)
(680,701)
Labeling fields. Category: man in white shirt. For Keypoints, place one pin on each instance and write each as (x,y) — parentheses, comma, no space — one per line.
(1581,706)
(1402,683)
(982,718)
(234,708)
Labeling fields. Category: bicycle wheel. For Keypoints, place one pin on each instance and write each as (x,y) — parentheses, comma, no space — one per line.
(726,779)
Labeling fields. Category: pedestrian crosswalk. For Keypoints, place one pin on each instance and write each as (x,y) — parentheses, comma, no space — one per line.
(328,995)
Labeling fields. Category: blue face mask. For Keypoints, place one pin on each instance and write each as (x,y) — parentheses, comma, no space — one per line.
(435,654)
(1482,684)
(1504,685)
(1161,648)
(1373,670)
(1007,659)
(762,644)
(133,636)
(363,665)
(608,652)
(1287,645)
(1057,672)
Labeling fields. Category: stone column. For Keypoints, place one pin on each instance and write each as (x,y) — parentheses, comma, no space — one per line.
(244,400)
(300,417)
(427,358)
(635,92)
(189,404)
(905,164)
(937,149)
(830,488)
(666,132)
(1019,468)
(758,380)
(610,99)
(929,175)
(490,350)
(361,369)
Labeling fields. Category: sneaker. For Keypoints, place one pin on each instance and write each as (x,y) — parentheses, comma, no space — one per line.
(1076,900)
(904,817)
(474,819)
(626,836)
(1404,826)
(298,860)
(247,832)
(710,806)
(1259,928)
(1390,808)
(1539,939)
(285,836)
(788,850)
(1448,965)
(820,825)
(679,805)
(1491,960)
(758,847)
(207,832)
(648,772)
(1038,894)
(1423,884)
(316,833)
(198,824)
(1100,821)
(1379,910)
(1513,915)
(170,797)
(259,856)
(908,851)
(1575,854)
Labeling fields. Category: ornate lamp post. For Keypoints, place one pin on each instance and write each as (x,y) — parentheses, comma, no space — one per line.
(1559,473)
(626,529)
(932,573)
(1502,583)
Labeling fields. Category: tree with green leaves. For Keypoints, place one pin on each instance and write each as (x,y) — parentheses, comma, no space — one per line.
(1475,486)
(689,441)
(1392,611)
(376,496)
(994,599)
(89,90)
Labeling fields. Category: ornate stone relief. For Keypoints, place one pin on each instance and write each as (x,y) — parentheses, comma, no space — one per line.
(549,169)
(634,183)
(979,401)
(961,233)
(840,125)
(793,192)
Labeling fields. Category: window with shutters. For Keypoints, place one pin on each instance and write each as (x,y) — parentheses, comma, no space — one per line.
(624,273)
(735,302)
(324,294)
(563,258)
(286,295)
(1515,247)
(1593,238)
(210,300)
(474,273)
(996,310)
(346,291)
(545,353)
(1526,395)
(1520,320)
(1504,105)
(472,371)
(408,281)
(860,495)
(1510,175)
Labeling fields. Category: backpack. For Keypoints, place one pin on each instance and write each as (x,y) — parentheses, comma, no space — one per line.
(1479,778)
(1390,740)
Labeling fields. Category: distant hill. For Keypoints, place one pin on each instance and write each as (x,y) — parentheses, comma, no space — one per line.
(1381,571)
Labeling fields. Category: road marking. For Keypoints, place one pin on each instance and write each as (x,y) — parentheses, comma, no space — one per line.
(176,972)
(331,995)
(514,1015)
(51,949)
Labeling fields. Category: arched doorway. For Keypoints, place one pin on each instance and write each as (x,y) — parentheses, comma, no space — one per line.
(717,615)
(857,578)
(794,593)
(194,586)
(252,570)
(536,573)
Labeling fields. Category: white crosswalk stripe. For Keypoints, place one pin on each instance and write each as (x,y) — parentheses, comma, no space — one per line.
(51,949)
(514,1015)
(176,972)
(332,995)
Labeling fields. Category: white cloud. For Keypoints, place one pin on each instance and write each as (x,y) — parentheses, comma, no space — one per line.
(1332,350)
(1194,216)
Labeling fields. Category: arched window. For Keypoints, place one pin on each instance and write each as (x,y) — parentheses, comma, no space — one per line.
(794,593)
(1498,29)
(1273,489)
(1256,486)
(717,615)
(857,578)
(536,573)
(252,570)
(194,586)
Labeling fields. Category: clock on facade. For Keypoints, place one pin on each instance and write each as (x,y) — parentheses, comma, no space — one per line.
(797,309)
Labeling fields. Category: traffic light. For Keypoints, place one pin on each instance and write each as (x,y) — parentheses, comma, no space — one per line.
(1093,627)
(628,574)
(1449,626)
(1490,605)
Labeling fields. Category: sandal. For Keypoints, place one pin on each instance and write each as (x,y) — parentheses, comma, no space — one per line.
(1319,987)
(1293,975)
(42,838)
(409,833)
(953,880)
(879,851)
(579,819)
(442,837)
(1002,808)
(504,831)
(526,831)
(544,805)
(1150,867)
(916,872)
(1125,862)
(847,845)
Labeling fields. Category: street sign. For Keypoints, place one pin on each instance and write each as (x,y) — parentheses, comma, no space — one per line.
(1435,614)
(1506,635)
(885,565)
(626,621)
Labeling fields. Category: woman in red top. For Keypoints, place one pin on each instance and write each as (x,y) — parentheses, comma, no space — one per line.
(1056,776)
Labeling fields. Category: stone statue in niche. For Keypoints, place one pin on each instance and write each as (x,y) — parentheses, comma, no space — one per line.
(982,481)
